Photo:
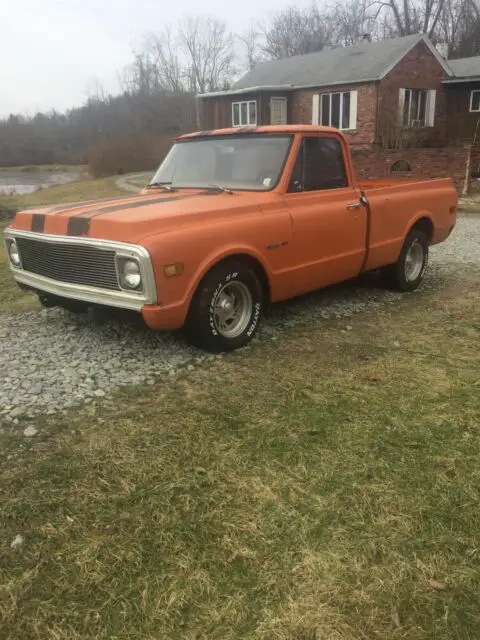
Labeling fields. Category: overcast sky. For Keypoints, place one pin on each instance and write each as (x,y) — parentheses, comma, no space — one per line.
(53,51)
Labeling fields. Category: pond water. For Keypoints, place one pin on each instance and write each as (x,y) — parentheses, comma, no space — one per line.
(18,182)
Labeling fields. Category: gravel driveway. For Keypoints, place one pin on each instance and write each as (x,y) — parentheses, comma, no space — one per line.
(51,360)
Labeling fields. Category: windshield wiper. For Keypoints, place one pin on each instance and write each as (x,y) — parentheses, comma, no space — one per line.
(167,185)
(219,188)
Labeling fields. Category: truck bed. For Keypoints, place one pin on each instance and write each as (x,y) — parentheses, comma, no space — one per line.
(394,203)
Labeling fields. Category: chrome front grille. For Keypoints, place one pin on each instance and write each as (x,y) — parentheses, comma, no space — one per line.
(71,263)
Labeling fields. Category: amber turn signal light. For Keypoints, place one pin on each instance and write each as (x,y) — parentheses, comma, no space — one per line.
(171,270)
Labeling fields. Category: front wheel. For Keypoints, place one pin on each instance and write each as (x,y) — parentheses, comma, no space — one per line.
(409,270)
(226,309)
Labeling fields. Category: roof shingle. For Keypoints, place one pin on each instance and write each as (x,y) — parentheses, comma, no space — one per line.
(465,67)
(343,65)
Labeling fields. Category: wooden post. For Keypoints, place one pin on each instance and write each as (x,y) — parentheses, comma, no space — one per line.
(466,183)
(197,109)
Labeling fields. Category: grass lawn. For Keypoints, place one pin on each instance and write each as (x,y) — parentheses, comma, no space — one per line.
(323,486)
(12,299)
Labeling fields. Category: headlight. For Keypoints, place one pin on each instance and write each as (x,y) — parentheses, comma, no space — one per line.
(130,274)
(13,253)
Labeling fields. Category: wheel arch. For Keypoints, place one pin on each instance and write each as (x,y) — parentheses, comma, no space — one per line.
(424,223)
(244,255)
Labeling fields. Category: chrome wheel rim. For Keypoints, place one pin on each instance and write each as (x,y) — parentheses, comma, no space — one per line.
(414,261)
(232,309)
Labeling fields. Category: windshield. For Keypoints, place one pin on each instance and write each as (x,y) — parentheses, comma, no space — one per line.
(242,162)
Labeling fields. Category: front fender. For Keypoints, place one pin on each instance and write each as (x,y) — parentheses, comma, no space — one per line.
(227,252)
(198,253)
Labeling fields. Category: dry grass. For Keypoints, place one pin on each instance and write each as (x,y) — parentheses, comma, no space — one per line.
(12,298)
(324,486)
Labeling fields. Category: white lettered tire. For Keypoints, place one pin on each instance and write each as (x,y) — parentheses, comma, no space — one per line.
(227,308)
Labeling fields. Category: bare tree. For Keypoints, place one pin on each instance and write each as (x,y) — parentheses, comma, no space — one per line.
(459,27)
(294,31)
(164,49)
(208,49)
(352,22)
(251,42)
(141,76)
(413,16)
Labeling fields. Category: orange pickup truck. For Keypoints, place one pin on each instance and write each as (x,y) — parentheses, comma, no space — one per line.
(233,220)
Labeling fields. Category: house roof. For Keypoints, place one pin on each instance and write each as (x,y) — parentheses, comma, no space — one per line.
(464,69)
(367,62)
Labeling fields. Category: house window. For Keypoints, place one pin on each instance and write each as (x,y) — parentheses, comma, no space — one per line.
(338,110)
(278,111)
(244,113)
(475,101)
(417,108)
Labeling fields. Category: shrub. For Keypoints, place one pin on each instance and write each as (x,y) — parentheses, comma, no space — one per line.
(128,154)
(7,213)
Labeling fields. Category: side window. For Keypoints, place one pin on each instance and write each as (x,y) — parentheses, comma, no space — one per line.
(319,166)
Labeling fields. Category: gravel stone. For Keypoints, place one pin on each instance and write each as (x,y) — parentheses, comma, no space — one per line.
(51,360)
(29,432)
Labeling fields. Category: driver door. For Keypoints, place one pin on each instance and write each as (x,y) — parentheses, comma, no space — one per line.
(329,223)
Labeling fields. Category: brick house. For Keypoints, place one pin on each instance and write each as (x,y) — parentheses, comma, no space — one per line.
(462,91)
(398,99)
(463,108)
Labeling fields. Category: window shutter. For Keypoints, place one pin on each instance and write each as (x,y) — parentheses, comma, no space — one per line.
(431,99)
(353,109)
(401,105)
(315,108)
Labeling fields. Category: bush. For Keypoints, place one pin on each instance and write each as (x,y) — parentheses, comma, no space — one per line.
(128,154)
(7,213)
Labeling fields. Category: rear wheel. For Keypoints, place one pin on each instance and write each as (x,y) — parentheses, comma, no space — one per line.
(226,309)
(408,272)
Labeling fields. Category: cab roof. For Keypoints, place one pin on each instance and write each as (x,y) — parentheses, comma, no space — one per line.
(279,128)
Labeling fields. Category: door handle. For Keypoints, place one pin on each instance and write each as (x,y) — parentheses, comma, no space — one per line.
(354,205)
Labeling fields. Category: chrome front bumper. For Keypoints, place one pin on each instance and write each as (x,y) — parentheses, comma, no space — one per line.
(95,295)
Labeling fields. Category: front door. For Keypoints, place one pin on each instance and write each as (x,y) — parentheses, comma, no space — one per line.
(329,224)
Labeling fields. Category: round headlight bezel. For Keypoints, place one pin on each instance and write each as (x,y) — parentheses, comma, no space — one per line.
(16,262)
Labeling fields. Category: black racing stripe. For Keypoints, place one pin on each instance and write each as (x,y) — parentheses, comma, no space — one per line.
(78,226)
(70,206)
(133,205)
(38,222)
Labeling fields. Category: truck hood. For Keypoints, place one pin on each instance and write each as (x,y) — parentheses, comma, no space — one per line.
(131,218)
